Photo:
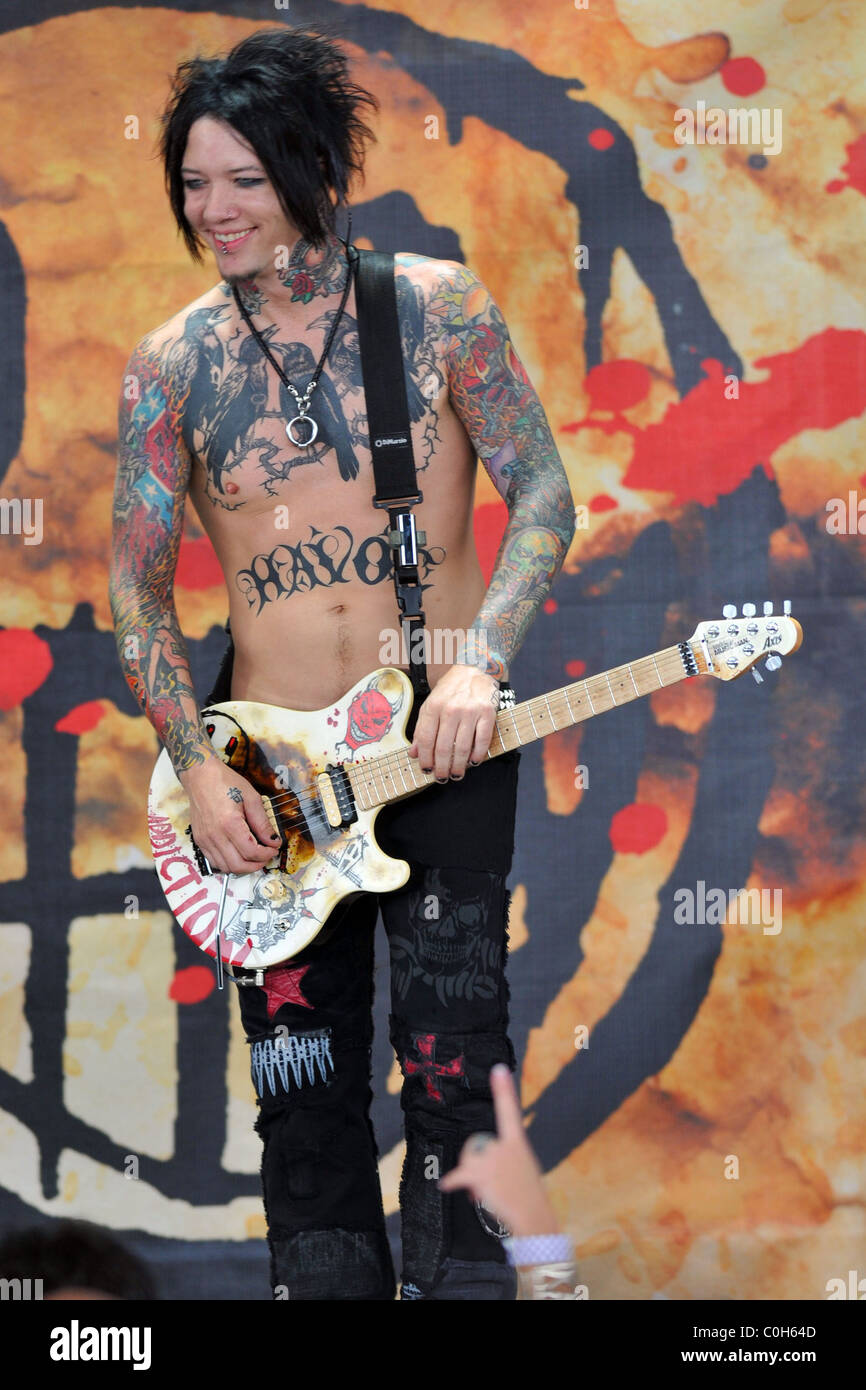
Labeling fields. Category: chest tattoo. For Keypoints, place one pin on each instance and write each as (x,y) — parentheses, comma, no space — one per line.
(229,425)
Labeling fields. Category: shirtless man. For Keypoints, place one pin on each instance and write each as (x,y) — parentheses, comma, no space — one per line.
(207,416)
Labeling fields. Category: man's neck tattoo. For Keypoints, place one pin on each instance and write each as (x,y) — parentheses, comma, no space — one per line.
(311,273)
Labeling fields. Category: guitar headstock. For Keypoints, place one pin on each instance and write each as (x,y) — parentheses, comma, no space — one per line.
(731,645)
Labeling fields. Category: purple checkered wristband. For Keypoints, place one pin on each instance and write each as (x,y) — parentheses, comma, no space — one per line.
(538,1250)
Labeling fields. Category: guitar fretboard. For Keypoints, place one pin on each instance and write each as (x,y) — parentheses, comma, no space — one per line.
(390,776)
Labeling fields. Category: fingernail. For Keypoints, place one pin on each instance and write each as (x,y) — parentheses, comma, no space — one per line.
(457,777)
(275,837)
(442,780)
(427,770)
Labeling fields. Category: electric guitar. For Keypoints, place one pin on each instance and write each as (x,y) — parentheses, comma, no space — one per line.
(325,774)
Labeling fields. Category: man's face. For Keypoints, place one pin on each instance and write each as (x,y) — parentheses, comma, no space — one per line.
(228,192)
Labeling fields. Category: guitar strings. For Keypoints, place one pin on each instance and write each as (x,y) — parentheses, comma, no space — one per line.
(393,764)
(396,763)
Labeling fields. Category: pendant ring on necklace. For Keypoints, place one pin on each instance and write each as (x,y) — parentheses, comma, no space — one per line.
(305,420)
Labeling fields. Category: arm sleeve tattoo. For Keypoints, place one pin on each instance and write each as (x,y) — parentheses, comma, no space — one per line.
(506,422)
(152,479)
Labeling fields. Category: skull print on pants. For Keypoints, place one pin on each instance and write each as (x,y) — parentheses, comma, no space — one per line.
(446,945)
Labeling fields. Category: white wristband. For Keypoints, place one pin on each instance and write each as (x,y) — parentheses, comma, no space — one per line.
(538,1250)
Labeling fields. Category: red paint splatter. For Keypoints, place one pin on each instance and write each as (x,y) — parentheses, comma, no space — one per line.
(575,669)
(600,139)
(854,168)
(191,985)
(706,445)
(197,564)
(25,662)
(637,828)
(489,522)
(612,386)
(617,385)
(743,76)
(602,503)
(81,718)
(550,605)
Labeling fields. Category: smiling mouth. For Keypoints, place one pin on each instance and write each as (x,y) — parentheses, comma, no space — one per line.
(229,240)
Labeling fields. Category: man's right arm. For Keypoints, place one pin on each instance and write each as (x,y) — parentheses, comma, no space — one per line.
(227,815)
(151,485)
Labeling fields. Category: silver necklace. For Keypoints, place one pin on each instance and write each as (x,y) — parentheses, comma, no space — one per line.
(309,428)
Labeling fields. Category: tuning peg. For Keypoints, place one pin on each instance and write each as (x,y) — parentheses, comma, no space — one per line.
(768,608)
(773,662)
(758,677)
(748,610)
(729,610)
(786,608)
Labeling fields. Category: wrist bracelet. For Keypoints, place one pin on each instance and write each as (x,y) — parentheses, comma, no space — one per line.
(552,1281)
(538,1250)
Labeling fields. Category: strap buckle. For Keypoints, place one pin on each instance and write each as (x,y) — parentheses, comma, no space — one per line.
(405,538)
(410,500)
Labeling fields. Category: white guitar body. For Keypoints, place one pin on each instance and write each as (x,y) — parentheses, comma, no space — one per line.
(273,913)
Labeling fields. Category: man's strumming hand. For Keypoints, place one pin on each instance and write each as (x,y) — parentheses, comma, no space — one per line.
(227,818)
(455,723)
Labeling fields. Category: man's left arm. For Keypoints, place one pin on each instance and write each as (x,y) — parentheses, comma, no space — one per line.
(494,398)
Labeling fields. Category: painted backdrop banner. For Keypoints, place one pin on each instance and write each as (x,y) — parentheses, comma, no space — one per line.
(672,220)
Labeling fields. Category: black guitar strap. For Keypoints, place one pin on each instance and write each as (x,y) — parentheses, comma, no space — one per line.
(391,442)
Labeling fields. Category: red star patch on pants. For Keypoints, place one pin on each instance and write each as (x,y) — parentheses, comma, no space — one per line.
(283,986)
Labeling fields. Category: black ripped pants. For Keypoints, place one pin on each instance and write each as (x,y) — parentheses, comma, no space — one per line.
(310,1032)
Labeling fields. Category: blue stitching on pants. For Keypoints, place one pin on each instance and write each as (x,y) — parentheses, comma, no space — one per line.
(270,1056)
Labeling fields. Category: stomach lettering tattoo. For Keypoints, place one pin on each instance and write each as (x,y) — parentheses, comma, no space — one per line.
(327,558)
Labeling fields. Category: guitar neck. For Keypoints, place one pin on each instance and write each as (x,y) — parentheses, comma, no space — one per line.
(391,776)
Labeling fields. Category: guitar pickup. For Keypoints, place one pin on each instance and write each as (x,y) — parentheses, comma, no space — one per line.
(272,816)
(336,797)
